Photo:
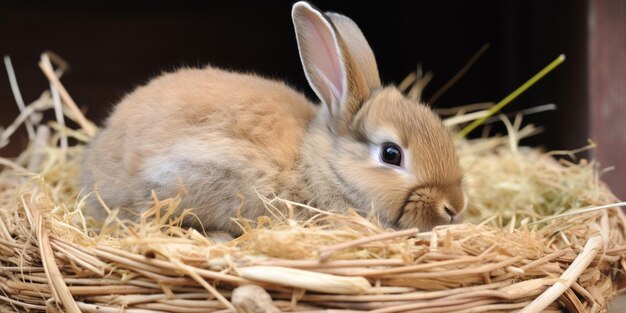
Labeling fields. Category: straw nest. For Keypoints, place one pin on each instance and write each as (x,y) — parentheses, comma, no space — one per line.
(542,235)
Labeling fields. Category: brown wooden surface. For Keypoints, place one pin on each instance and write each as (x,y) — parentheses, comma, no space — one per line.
(607,88)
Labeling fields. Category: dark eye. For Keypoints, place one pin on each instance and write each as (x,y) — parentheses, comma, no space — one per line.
(391,154)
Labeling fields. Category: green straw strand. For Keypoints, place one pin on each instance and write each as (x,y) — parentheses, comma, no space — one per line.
(512,96)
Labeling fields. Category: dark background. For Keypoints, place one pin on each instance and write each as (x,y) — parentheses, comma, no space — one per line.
(114,46)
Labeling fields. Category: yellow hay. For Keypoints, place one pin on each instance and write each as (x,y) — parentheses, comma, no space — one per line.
(539,237)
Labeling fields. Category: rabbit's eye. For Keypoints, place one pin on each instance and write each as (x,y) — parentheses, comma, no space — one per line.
(391,154)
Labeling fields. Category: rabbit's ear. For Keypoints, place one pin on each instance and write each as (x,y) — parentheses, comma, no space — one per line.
(337,60)
(358,48)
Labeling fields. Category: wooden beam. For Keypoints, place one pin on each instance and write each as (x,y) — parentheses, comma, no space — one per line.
(607,88)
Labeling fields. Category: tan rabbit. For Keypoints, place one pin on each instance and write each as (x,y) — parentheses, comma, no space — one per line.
(230,137)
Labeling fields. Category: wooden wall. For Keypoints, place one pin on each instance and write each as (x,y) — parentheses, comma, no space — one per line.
(607,88)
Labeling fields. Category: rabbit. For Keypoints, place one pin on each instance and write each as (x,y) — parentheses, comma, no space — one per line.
(228,138)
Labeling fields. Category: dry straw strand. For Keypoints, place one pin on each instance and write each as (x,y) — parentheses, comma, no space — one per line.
(568,278)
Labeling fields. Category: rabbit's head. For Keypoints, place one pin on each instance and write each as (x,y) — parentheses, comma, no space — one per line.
(387,154)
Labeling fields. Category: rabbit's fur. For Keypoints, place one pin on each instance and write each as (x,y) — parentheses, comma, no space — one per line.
(224,138)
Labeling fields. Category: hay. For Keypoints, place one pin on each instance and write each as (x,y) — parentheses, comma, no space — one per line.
(542,239)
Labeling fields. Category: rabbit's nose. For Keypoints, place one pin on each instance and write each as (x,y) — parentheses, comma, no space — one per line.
(450,211)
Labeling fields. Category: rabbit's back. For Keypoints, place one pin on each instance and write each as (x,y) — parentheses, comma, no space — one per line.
(218,136)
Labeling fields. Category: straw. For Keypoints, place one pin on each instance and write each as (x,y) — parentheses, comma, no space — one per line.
(18,95)
(86,125)
(459,74)
(567,278)
(512,96)
(58,107)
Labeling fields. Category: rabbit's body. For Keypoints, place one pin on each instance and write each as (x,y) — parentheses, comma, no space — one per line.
(221,136)
(223,139)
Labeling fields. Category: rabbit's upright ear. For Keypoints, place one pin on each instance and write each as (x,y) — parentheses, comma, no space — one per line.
(337,60)
(357,47)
